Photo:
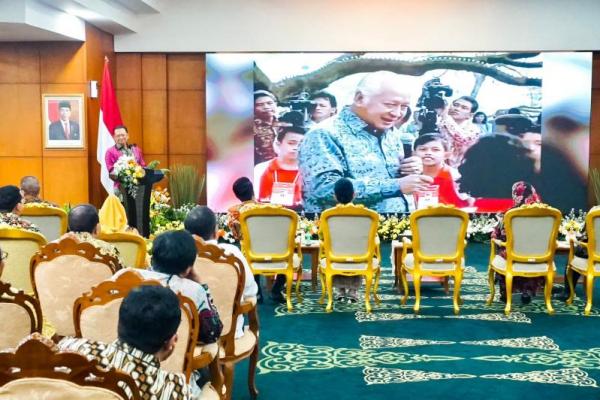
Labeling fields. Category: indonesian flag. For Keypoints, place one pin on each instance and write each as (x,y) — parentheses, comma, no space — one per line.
(110,116)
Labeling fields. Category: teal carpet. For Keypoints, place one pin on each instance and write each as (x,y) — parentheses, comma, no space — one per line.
(349,354)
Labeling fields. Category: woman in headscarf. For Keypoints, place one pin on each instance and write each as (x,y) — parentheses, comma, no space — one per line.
(522,193)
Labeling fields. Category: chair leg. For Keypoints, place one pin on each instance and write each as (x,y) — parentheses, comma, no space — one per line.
(417,285)
(228,369)
(289,282)
(491,276)
(404,286)
(252,373)
(456,298)
(323,288)
(329,286)
(216,375)
(368,283)
(548,291)
(298,280)
(375,295)
(571,286)
(509,279)
(589,286)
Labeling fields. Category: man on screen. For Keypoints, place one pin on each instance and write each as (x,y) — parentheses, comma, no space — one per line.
(359,144)
(265,119)
(64,128)
(324,105)
(456,125)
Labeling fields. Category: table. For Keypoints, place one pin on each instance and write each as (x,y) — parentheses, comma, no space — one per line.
(312,247)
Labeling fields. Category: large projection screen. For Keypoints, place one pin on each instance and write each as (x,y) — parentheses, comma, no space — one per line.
(531,124)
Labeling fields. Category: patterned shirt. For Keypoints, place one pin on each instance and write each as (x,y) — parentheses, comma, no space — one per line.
(104,247)
(36,201)
(344,146)
(14,221)
(153,382)
(264,136)
(460,136)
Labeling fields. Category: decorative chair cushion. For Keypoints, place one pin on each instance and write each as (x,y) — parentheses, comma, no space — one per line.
(500,263)
(581,265)
(16,324)
(356,266)
(276,265)
(409,264)
(243,344)
(53,389)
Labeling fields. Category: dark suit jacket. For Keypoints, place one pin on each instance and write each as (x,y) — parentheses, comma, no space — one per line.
(57,132)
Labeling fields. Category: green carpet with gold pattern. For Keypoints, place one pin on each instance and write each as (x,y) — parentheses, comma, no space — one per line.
(480,353)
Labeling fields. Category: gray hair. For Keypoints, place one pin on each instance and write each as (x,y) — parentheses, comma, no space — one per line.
(375,82)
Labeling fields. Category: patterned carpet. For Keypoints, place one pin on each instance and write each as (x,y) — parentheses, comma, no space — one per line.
(479,353)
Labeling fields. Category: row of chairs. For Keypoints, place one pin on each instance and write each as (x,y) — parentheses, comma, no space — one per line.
(64,272)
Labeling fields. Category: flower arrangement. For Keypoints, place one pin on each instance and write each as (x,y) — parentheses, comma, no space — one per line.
(128,173)
(481,227)
(572,224)
(307,229)
(223,229)
(164,217)
(392,227)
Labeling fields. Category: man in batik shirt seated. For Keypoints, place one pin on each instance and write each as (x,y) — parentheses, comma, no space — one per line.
(11,206)
(30,187)
(148,320)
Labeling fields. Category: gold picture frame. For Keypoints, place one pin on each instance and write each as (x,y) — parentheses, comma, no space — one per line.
(63,121)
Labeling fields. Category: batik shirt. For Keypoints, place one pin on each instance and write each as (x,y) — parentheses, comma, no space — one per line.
(105,248)
(37,202)
(344,146)
(153,382)
(14,221)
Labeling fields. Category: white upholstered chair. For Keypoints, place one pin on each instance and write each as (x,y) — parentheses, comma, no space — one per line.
(531,232)
(349,248)
(225,276)
(21,314)
(63,271)
(52,221)
(36,370)
(96,317)
(21,245)
(589,268)
(268,243)
(438,249)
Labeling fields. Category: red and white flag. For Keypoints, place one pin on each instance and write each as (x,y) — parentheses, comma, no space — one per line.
(110,116)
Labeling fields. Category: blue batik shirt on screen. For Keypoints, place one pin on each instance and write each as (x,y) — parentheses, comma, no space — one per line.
(345,146)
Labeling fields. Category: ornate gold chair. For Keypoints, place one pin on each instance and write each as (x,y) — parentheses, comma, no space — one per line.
(36,370)
(225,276)
(531,232)
(21,314)
(96,317)
(268,243)
(349,248)
(589,268)
(438,249)
(63,271)
(21,245)
(52,221)
(132,247)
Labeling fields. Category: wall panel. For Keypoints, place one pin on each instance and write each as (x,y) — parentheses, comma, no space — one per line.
(12,169)
(62,62)
(186,71)
(20,126)
(19,63)
(186,122)
(65,180)
(154,121)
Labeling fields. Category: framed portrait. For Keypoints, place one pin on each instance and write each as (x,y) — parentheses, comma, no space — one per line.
(63,121)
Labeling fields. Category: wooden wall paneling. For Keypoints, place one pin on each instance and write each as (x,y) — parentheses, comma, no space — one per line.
(154,71)
(186,71)
(19,63)
(12,169)
(186,122)
(62,62)
(20,126)
(65,179)
(130,104)
(154,121)
(129,71)
(595,125)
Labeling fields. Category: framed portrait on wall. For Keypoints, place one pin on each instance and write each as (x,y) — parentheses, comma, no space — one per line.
(63,121)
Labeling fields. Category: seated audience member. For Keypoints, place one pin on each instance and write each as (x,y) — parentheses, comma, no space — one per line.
(173,256)
(202,222)
(147,332)
(281,176)
(522,193)
(84,226)
(433,149)
(324,105)
(346,286)
(11,205)
(244,191)
(456,126)
(490,168)
(30,186)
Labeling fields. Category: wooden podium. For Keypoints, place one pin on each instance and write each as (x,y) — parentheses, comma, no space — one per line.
(138,208)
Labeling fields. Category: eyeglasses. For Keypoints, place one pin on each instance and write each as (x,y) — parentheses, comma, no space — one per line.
(3,255)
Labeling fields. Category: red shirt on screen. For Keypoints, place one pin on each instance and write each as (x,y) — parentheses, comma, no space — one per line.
(273,173)
(447,188)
